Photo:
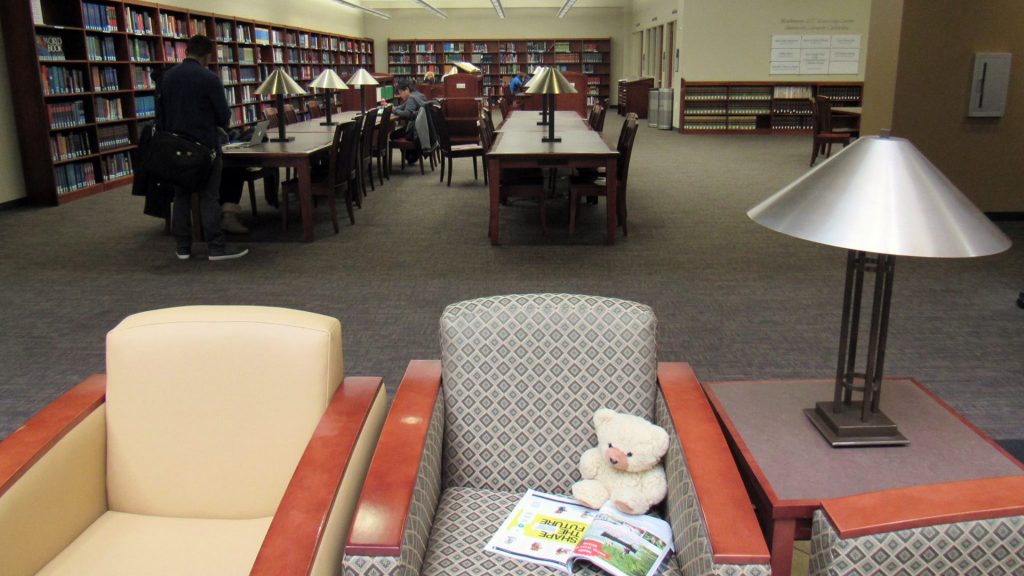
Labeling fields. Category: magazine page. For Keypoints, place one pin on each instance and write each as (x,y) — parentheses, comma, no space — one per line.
(543,528)
(624,544)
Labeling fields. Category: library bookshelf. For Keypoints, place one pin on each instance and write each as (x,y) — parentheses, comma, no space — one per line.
(758,107)
(499,59)
(80,73)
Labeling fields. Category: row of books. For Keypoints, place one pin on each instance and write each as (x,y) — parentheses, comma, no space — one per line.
(100,47)
(246,55)
(543,46)
(482,58)
(69,145)
(66,114)
(172,25)
(71,177)
(228,75)
(454,47)
(144,78)
(247,75)
(229,95)
(197,26)
(100,17)
(145,106)
(116,165)
(243,115)
(49,47)
(109,109)
(141,50)
(138,21)
(114,136)
(593,57)
(561,48)
(174,51)
(104,78)
(61,80)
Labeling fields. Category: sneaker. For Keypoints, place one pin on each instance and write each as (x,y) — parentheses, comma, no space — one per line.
(183,252)
(228,253)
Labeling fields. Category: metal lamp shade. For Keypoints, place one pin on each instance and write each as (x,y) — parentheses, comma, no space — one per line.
(550,81)
(536,72)
(882,195)
(362,78)
(279,83)
(463,67)
(328,80)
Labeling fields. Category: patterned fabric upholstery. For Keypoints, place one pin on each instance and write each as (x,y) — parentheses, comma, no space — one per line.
(523,376)
(421,512)
(465,521)
(977,548)
(693,547)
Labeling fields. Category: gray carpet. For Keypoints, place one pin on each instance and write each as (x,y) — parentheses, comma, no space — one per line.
(734,299)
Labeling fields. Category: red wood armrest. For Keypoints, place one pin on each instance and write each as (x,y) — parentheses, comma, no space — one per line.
(732,527)
(29,443)
(927,505)
(379,520)
(299,523)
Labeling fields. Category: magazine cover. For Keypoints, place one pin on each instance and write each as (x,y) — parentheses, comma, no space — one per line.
(555,531)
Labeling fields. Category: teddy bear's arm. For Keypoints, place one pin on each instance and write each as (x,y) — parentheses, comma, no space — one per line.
(654,486)
(590,463)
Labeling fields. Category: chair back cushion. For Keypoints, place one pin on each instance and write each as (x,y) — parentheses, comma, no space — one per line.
(210,407)
(522,377)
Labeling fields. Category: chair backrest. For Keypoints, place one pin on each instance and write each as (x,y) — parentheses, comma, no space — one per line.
(209,408)
(504,105)
(821,114)
(368,130)
(486,135)
(602,111)
(313,106)
(592,117)
(386,126)
(625,148)
(522,377)
(291,117)
(438,126)
(270,115)
(342,158)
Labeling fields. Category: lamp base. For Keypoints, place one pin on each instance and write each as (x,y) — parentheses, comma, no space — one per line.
(546,139)
(542,123)
(846,429)
(288,139)
(328,123)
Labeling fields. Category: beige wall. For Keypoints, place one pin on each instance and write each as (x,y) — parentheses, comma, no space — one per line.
(12,186)
(881,68)
(982,156)
(731,39)
(518,23)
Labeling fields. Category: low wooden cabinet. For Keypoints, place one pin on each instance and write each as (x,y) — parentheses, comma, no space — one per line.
(633,96)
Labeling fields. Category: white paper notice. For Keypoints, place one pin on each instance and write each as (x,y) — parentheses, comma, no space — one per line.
(785,55)
(844,54)
(785,41)
(846,41)
(842,67)
(785,68)
(816,41)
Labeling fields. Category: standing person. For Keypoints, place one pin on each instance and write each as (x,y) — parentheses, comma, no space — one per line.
(412,100)
(191,103)
(515,85)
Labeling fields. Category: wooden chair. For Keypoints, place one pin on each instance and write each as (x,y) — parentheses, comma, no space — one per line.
(448,151)
(313,107)
(824,137)
(270,115)
(369,130)
(599,110)
(588,185)
(381,142)
(338,177)
(290,115)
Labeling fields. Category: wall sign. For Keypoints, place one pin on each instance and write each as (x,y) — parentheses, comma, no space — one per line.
(817,54)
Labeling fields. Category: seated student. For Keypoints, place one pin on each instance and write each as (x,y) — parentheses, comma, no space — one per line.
(516,84)
(412,101)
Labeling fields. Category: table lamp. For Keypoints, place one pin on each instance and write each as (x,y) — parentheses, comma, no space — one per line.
(879,198)
(328,80)
(457,67)
(544,102)
(279,84)
(550,82)
(359,79)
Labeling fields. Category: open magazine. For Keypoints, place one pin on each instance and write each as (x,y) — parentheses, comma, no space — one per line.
(557,530)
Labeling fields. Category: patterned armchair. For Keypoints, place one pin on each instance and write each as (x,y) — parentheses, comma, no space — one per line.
(971,527)
(509,408)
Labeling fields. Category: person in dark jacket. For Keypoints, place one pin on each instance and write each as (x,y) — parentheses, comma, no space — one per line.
(191,103)
(412,100)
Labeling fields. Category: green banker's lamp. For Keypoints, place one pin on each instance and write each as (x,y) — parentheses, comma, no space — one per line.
(327,81)
(550,83)
(359,79)
(280,84)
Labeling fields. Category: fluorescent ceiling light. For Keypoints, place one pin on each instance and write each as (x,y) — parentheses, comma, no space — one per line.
(565,8)
(376,13)
(498,8)
(432,9)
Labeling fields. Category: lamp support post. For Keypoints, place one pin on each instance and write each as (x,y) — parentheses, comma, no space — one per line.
(281,121)
(551,119)
(330,97)
(840,421)
(545,117)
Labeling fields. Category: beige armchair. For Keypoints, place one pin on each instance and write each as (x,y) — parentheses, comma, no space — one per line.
(221,440)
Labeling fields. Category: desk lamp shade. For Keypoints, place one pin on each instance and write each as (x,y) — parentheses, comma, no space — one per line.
(879,198)
(462,67)
(359,79)
(549,82)
(280,84)
(328,80)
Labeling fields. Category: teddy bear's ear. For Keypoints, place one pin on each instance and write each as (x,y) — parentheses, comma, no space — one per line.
(603,416)
(660,440)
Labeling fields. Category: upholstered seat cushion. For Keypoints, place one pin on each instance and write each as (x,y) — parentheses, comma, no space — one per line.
(465,520)
(119,544)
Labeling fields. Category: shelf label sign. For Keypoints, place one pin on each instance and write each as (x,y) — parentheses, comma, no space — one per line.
(815,54)
(784,41)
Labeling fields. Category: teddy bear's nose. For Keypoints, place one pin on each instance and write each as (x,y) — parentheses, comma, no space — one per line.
(614,461)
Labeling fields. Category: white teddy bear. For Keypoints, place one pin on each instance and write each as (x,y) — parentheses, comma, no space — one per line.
(625,466)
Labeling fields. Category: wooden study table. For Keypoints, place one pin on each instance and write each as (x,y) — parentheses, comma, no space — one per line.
(789,468)
(519,145)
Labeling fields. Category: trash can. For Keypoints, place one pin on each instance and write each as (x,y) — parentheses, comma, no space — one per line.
(665,96)
(653,103)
